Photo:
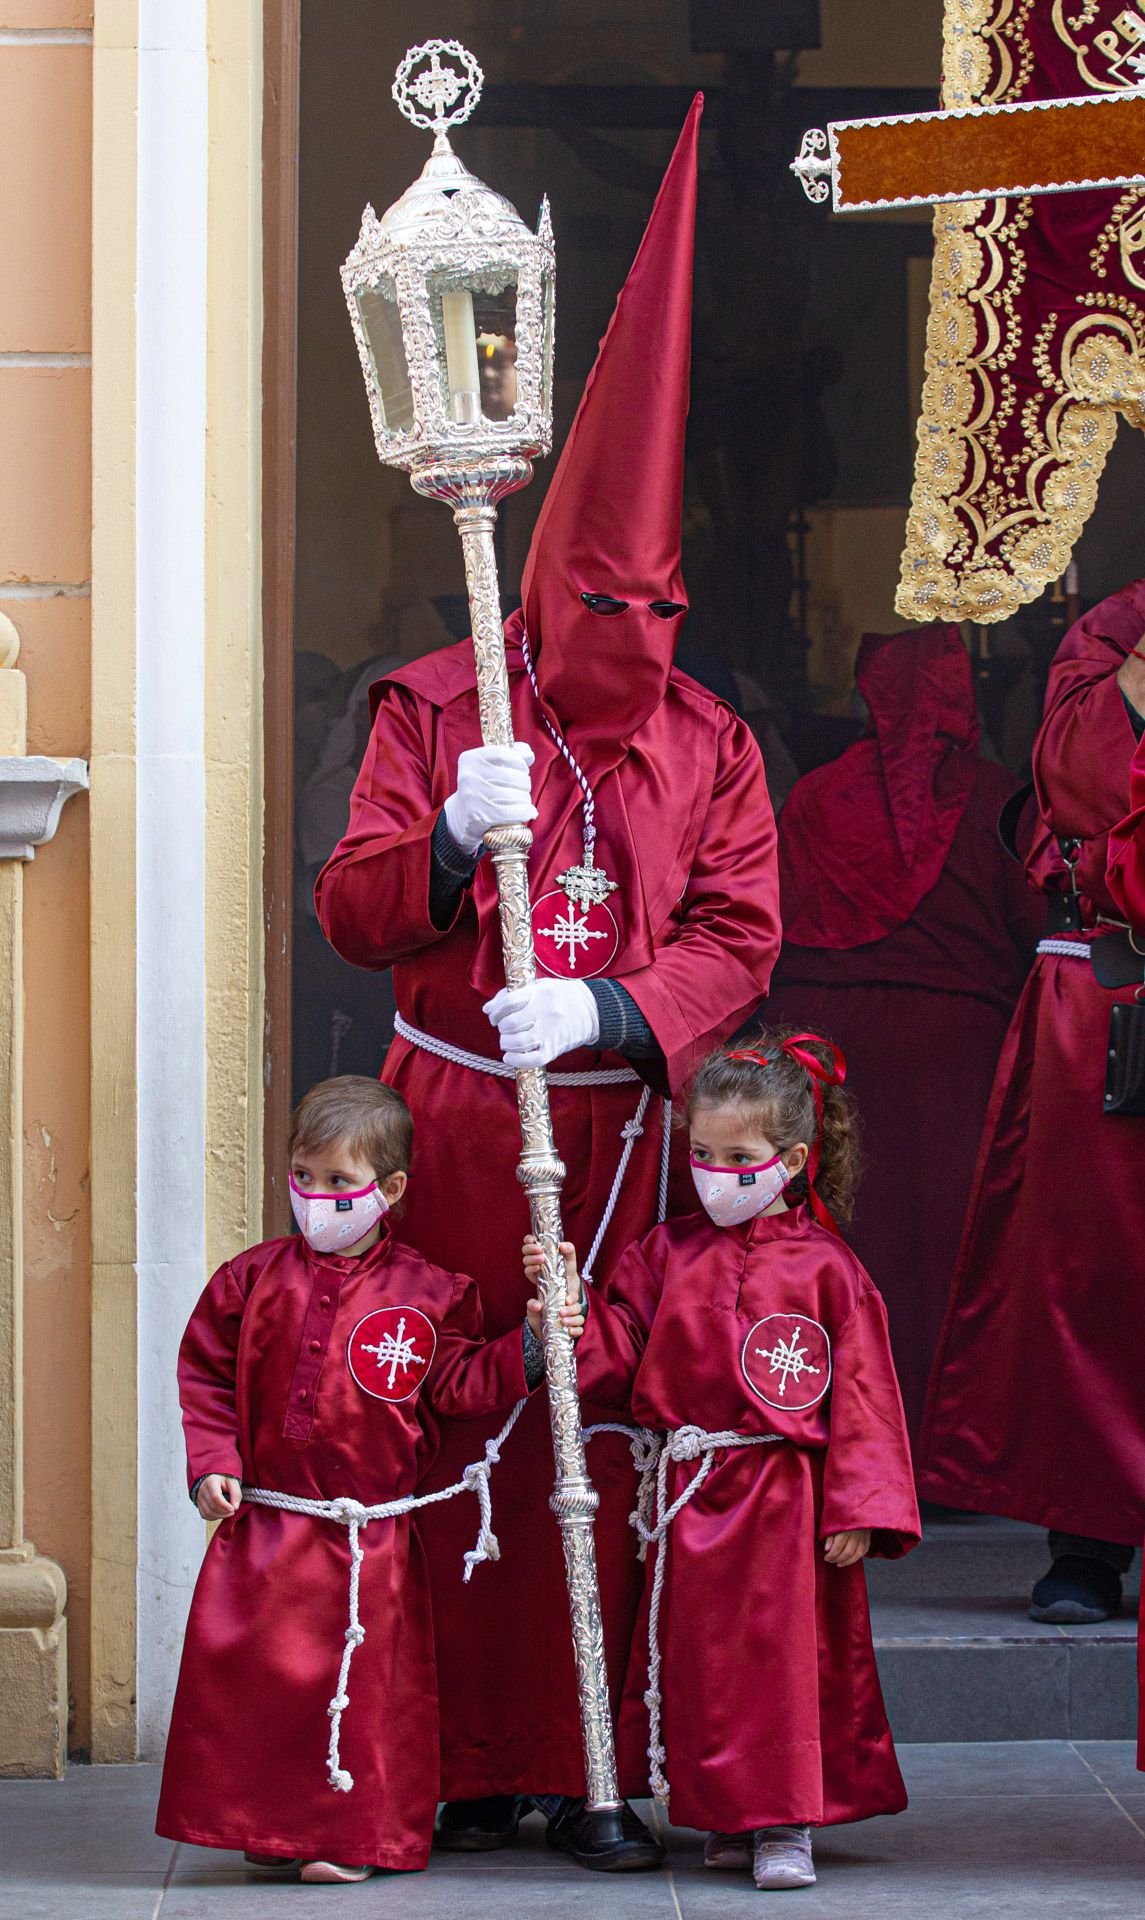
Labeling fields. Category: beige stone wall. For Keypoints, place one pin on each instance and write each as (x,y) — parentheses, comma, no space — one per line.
(45,521)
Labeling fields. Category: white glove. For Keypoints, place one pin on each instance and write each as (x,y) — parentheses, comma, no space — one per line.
(537,1023)
(493,790)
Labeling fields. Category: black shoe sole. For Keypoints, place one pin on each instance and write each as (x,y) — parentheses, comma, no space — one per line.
(1072,1613)
(473,1840)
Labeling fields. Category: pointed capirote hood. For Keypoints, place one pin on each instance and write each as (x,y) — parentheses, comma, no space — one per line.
(611,520)
(919,691)
(863,839)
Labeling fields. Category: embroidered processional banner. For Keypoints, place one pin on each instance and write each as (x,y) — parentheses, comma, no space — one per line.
(1036,335)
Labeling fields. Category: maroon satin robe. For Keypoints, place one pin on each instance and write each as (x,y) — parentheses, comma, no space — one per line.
(772,1710)
(1125,871)
(921,1015)
(268,1394)
(1037,1401)
(685,826)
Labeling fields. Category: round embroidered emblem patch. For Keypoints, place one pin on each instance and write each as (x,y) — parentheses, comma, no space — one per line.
(571,941)
(389,1352)
(786,1360)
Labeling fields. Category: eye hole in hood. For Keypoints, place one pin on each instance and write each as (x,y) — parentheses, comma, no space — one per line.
(604,603)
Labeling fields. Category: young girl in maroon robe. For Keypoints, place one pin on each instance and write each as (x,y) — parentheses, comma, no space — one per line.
(753,1321)
(316,1366)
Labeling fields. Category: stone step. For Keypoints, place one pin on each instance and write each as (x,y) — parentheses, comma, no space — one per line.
(965,1556)
(960,1659)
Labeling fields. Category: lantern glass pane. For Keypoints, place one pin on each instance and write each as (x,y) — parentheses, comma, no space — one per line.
(381,319)
(547,349)
(475,317)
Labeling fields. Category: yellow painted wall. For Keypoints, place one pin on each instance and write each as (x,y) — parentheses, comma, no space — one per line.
(45,522)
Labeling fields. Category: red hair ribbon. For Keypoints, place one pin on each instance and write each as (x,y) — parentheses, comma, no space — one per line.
(820,1076)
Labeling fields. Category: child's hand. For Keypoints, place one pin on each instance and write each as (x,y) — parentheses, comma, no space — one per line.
(847,1549)
(219,1496)
(572,1313)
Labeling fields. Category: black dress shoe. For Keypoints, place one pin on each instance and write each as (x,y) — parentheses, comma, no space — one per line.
(1076,1592)
(479,1826)
(608,1842)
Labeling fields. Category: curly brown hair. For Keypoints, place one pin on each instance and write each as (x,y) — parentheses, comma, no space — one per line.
(779,1097)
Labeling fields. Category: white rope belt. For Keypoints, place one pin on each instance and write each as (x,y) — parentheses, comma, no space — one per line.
(685,1443)
(630,1133)
(1073,949)
(480,1062)
(352,1515)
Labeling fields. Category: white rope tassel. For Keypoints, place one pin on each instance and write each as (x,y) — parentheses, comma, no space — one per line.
(665,1158)
(354,1516)
(630,1133)
(340,1779)
(686,1443)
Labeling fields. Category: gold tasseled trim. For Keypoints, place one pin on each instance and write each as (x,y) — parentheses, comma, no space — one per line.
(993,521)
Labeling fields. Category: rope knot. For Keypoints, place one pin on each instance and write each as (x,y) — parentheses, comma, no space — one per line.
(487,1548)
(688,1443)
(341,1781)
(475,1473)
(345,1510)
(338,1704)
(355,1635)
(632,1130)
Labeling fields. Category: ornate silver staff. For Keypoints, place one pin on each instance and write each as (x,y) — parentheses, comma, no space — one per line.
(451,300)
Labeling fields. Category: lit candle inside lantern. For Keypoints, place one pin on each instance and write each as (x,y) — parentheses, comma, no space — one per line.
(461,355)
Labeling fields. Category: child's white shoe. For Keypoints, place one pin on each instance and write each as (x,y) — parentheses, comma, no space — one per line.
(783,1858)
(729,1852)
(327,1873)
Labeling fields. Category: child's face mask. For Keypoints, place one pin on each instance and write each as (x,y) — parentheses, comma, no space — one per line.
(731,1195)
(331,1222)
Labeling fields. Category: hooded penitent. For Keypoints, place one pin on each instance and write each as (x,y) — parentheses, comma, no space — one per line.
(602,589)
(865,838)
(685,836)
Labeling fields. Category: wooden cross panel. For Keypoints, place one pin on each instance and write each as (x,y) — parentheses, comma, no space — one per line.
(981,153)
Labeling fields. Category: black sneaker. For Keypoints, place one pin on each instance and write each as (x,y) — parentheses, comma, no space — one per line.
(479,1826)
(606,1842)
(1076,1592)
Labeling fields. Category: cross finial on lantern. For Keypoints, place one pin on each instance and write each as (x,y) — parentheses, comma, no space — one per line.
(436,87)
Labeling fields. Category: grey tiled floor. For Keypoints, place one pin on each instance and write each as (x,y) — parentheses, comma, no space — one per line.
(1033,1828)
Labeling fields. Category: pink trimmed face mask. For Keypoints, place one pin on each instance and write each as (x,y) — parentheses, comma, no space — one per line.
(731,1195)
(331,1222)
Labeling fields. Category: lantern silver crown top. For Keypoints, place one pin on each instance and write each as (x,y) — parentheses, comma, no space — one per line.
(451,295)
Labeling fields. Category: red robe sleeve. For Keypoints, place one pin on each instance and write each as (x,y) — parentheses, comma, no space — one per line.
(208,1357)
(471,1376)
(1082,753)
(711,974)
(867,1478)
(612,1345)
(1126,870)
(373,893)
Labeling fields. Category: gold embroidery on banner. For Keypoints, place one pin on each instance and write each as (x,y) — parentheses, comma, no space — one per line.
(1132,245)
(988,529)
(1102,61)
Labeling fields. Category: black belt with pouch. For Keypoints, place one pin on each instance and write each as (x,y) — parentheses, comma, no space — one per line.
(1118,960)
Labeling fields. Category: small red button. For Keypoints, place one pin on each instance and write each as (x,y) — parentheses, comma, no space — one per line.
(325,1300)
(304,1395)
(316,1346)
